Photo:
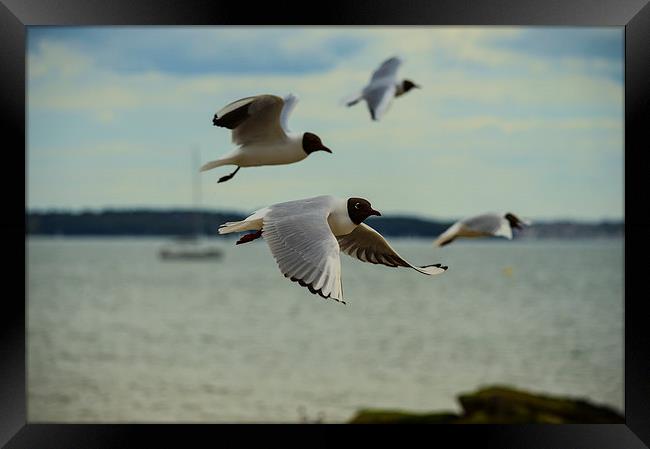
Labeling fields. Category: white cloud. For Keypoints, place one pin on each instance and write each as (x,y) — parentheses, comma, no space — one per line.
(510,126)
(82,85)
(56,60)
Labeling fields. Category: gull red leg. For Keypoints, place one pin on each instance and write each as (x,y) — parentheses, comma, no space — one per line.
(249,237)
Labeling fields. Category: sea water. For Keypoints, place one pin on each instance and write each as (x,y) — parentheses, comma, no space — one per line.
(116,334)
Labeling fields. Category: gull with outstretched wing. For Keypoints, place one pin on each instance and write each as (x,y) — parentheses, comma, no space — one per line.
(306,238)
(259,127)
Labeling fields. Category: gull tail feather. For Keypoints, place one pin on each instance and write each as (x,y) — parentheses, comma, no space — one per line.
(351,100)
(444,240)
(448,236)
(253,222)
(216,163)
(237,226)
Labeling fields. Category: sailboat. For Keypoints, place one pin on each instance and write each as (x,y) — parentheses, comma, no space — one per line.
(192,247)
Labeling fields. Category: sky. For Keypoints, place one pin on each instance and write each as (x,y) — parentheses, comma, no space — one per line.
(522,119)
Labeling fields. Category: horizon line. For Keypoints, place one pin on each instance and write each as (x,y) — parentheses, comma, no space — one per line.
(103,209)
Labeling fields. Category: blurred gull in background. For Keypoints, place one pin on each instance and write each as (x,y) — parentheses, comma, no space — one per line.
(491,224)
(382,88)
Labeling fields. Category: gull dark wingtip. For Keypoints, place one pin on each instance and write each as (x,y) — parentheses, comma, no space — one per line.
(437,265)
(232,119)
(318,292)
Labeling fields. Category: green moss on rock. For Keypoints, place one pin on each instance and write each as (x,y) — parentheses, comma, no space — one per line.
(505,404)
(501,405)
(399,417)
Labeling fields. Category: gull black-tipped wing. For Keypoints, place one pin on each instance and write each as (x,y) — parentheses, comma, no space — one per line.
(368,245)
(252,119)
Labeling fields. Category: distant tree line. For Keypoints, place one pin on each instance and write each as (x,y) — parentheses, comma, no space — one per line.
(132,223)
(183,222)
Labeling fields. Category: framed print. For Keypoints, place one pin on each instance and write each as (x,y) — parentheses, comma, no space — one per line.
(204,182)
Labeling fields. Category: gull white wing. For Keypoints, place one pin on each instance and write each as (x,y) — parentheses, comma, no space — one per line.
(489,224)
(290,102)
(504,230)
(368,245)
(387,71)
(378,99)
(303,245)
(252,119)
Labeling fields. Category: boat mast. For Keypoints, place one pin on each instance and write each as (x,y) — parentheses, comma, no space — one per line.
(196,191)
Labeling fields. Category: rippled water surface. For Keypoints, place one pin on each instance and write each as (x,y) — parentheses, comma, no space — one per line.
(117,335)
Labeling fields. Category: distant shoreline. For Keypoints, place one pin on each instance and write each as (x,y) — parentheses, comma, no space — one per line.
(165,223)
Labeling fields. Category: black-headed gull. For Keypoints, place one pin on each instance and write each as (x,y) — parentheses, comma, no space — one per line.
(383,86)
(259,127)
(490,224)
(306,236)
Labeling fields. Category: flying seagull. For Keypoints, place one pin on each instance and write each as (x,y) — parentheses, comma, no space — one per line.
(383,86)
(306,236)
(259,127)
(491,224)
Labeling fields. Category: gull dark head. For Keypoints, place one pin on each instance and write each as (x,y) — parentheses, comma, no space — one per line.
(514,221)
(408,85)
(360,209)
(311,142)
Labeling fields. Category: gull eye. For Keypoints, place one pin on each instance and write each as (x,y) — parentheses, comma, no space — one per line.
(356,205)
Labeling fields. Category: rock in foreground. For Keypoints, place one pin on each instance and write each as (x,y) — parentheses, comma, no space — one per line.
(501,405)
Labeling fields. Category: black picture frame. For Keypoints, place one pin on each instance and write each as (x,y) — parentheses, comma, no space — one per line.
(634,15)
